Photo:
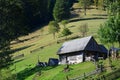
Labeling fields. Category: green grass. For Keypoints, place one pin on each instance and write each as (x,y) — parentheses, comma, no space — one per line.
(109,73)
(93,26)
(32,59)
(29,61)
(57,73)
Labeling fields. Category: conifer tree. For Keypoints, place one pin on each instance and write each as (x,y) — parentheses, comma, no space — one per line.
(61,10)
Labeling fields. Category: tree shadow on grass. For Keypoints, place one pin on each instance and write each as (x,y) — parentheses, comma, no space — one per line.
(82,19)
(13,51)
(99,15)
(18,60)
(21,41)
(74,15)
(30,71)
(19,49)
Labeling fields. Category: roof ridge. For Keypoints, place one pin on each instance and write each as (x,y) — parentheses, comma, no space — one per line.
(79,39)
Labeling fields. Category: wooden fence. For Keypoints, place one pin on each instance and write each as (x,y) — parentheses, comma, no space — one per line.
(111,76)
(87,74)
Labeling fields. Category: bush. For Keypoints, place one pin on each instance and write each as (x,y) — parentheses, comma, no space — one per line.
(66,32)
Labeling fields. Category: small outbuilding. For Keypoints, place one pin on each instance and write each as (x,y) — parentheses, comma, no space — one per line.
(79,50)
(53,62)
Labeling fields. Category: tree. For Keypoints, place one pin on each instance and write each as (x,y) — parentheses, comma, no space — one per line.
(105,4)
(105,34)
(85,4)
(53,28)
(71,2)
(36,11)
(96,3)
(12,25)
(61,10)
(66,32)
(109,32)
(64,22)
(100,4)
(83,29)
(51,4)
(114,8)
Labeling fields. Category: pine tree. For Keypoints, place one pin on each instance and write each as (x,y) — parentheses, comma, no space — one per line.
(61,10)
(12,25)
(51,4)
(66,32)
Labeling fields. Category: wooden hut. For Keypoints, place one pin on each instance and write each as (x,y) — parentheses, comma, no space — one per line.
(79,50)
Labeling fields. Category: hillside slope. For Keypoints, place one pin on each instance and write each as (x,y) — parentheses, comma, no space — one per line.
(40,45)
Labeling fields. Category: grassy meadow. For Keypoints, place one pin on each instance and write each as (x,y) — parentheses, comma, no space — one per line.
(25,67)
(75,71)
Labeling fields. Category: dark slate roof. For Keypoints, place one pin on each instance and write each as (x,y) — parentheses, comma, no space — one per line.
(103,49)
(86,43)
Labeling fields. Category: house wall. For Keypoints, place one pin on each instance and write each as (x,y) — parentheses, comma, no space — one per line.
(75,59)
(62,59)
(78,57)
(71,59)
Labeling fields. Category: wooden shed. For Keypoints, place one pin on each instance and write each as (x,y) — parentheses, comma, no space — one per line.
(53,62)
(79,50)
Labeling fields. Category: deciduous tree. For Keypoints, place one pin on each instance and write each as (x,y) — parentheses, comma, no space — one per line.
(53,28)
(85,4)
(64,22)
(109,32)
(114,8)
(83,29)
(96,3)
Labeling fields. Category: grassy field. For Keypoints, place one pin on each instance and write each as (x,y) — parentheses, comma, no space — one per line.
(59,74)
(32,59)
(25,66)
(37,39)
